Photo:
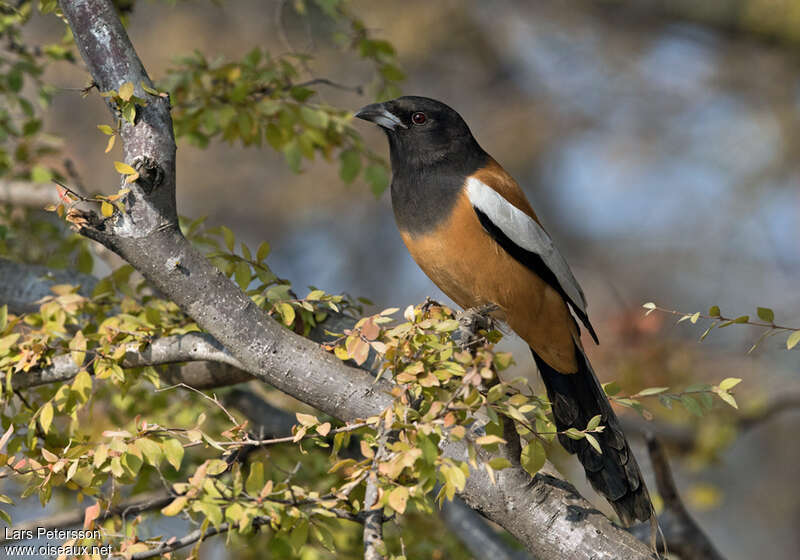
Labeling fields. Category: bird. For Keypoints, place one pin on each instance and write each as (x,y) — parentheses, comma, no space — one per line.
(470,228)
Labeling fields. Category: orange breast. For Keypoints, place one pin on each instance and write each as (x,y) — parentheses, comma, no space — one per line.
(472,269)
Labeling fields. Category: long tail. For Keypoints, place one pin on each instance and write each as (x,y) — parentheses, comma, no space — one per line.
(576,398)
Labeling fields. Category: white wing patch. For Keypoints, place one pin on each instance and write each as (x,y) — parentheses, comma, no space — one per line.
(526,233)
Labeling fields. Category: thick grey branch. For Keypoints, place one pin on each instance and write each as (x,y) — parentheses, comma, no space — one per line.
(545,513)
(21,285)
(475,534)
(25,193)
(169,350)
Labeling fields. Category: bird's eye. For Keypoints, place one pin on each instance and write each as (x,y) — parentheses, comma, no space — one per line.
(419,118)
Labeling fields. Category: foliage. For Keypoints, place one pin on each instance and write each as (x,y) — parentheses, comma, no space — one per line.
(111,431)
(717,320)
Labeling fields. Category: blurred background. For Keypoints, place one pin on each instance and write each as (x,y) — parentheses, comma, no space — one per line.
(657,141)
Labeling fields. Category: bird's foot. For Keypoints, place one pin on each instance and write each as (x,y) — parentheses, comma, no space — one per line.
(472,322)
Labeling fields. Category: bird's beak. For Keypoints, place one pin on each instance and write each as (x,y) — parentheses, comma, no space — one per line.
(380,115)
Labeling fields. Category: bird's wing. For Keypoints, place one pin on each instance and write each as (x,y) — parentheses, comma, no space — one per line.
(525,240)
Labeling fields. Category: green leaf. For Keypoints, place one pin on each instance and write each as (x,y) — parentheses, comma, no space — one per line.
(793,339)
(150,449)
(691,405)
(263,251)
(243,274)
(299,535)
(230,239)
(82,384)
(499,463)
(533,457)
(714,311)
(611,388)
(77,348)
(15,80)
(40,174)
(350,165)
(593,422)
(129,112)
(377,177)
(255,478)
(173,450)
(3,317)
(293,155)
(105,129)
(593,442)
(314,117)
(573,433)
(131,463)
(651,391)
(286,312)
(46,416)
(765,314)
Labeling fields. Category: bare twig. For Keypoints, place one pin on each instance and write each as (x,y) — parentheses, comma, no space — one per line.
(373,521)
(684,437)
(683,535)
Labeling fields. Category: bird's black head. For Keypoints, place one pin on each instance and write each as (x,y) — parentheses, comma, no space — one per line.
(422,132)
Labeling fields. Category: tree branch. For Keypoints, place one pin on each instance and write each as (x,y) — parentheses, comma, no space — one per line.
(373,521)
(683,535)
(169,350)
(73,518)
(21,285)
(26,193)
(544,513)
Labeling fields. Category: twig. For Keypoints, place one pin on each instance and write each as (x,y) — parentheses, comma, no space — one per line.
(373,520)
(684,536)
(189,539)
(685,437)
(202,394)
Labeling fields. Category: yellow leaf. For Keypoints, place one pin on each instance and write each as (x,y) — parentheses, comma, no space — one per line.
(131,178)
(398,499)
(110,145)
(175,506)
(324,429)
(488,440)
(126,91)
(46,417)
(307,419)
(124,168)
(729,383)
(106,209)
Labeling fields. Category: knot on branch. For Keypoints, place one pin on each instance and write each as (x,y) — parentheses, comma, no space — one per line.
(150,172)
